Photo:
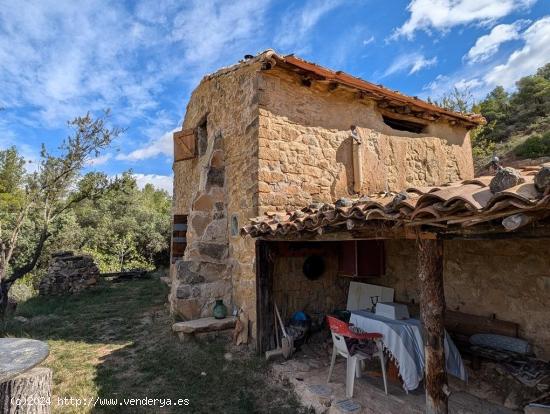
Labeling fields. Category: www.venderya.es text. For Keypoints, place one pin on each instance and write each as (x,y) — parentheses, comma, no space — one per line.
(100,401)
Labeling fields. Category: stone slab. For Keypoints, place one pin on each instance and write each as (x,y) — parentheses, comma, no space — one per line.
(320,390)
(20,355)
(205,325)
(348,406)
(225,335)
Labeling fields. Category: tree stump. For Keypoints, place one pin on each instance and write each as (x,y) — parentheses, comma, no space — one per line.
(27,393)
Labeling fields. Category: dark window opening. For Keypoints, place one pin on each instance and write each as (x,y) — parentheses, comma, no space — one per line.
(306,82)
(202,136)
(402,125)
(179,236)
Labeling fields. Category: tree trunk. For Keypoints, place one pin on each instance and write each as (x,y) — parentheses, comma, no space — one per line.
(4,299)
(28,393)
(18,273)
(432,311)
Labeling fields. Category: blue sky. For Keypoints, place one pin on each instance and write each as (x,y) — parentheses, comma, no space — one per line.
(60,59)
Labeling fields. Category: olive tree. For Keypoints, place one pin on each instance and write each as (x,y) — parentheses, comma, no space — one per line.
(41,197)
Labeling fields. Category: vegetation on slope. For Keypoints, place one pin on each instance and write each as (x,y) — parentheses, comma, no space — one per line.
(518,123)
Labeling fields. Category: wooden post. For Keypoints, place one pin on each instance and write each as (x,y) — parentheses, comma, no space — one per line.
(432,311)
(264,300)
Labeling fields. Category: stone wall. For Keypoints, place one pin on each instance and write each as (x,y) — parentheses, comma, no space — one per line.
(508,278)
(305,148)
(68,274)
(217,189)
(293,291)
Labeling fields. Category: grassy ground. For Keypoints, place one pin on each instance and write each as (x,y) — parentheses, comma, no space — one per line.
(114,341)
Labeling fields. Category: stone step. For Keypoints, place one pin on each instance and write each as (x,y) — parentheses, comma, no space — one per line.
(204,325)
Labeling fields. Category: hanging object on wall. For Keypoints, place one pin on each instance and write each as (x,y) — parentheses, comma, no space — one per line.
(357,161)
(314,267)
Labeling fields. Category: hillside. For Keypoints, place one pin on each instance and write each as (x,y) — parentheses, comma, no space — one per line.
(518,123)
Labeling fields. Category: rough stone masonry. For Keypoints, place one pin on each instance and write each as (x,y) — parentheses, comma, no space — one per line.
(68,274)
(268,139)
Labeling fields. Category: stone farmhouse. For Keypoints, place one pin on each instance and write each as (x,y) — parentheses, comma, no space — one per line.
(280,160)
(273,133)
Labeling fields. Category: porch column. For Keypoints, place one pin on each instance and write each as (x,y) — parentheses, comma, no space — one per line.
(264,299)
(432,311)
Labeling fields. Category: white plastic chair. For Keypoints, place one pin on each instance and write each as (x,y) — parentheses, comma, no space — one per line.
(353,363)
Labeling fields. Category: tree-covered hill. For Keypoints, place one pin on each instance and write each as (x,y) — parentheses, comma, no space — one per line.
(518,122)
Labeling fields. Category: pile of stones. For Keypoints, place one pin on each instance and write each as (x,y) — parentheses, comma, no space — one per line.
(69,273)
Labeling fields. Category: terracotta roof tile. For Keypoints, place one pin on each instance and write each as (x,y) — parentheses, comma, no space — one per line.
(373,90)
(464,203)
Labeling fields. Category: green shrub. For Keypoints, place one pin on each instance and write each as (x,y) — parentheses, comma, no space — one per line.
(534,146)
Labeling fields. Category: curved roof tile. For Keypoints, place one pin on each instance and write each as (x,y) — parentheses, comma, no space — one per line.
(467,202)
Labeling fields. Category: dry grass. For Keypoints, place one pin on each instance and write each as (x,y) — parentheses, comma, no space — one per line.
(114,342)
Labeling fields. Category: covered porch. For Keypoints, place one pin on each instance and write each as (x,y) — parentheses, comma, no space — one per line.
(467,257)
(307,371)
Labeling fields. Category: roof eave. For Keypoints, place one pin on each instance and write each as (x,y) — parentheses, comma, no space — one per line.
(373,91)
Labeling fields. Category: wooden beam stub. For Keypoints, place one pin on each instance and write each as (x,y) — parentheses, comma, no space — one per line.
(516,221)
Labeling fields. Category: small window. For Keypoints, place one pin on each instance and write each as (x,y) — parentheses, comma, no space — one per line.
(401,125)
(234,225)
(179,236)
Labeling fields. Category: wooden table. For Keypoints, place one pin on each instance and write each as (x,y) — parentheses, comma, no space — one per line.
(20,355)
(24,387)
(403,339)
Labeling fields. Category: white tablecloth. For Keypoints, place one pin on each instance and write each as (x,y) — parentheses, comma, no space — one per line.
(403,339)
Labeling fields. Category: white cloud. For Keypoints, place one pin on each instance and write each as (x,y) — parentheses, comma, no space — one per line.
(64,58)
(410,62)
(100,160)
(468,84)
(163,182)
(481,78)
(464,82)
(525,61)
(210,29)
(162,145)
(368,41)
(296,25)
(61,59)
(442,15)
(486,46)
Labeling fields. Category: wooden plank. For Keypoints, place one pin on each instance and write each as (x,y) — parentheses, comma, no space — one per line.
(432,313)
(347,259)
(468,325)
(185,144)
